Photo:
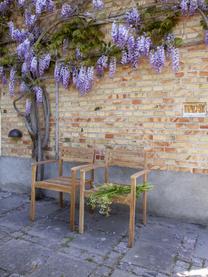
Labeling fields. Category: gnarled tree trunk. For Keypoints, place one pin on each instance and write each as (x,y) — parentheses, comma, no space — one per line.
(37,124)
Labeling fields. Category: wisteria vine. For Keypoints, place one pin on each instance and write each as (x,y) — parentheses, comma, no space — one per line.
(131,41)
(125,37)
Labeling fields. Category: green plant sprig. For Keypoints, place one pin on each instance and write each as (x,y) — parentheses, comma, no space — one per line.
(103,197)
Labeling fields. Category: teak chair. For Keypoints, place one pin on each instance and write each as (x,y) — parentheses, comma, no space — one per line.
(121,158)
(63,184)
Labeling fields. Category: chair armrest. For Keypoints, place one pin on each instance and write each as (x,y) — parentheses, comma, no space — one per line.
(79,167)
(35,165)
(139,174)
(91,167)
(45,162)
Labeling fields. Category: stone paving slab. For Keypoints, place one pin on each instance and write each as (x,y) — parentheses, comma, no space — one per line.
(119,273)
(20,257)
(47,247)
(155,256)
(15,202)
(61,266)
(202,245)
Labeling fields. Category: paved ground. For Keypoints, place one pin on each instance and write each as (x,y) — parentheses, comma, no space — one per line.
(46,248)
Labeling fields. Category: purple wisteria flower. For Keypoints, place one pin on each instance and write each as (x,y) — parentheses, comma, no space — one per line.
(133,51)
(157,58)
(28,105)
(43,6)
(143,45)
(203,5)
(66,10)
(4,79)
(112,67)
(38,93)
(85,79)
(50,6)
(44,63)
(175,59)
(102,64)
(21,3)
(169,39)
(193,6)
(124,57)
(132,17)
(23,48)
(1,71)
(65,72)
(3,75)
(12,81)
(4,6)
(30,19)
(23,87)
(119,35)
(78,54)
(16,34)
(24,69)
(34,65)
(206,37)
(98,4)
(184,7)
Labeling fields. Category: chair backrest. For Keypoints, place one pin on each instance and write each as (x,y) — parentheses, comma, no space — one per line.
(101,156)
(78,154)
(127,158)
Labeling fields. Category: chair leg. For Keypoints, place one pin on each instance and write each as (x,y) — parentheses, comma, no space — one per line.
(61,199)
(145,208)
(131,225)
(72,210)
(132,214)
(32,203)
(81,204)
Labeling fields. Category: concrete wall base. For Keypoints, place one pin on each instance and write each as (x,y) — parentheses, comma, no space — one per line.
(175,194)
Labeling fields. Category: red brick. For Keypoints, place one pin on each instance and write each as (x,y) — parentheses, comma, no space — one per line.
(136,102)
(109,136)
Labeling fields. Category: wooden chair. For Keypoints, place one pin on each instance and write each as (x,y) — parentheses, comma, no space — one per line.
(121,158)
(63,184)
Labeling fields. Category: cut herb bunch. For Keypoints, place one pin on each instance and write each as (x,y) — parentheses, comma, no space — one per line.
(103,197)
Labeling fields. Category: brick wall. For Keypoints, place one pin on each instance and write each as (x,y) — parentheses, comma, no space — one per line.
(137,107)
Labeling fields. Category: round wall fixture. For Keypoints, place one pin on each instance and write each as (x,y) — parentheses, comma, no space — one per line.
(15,133)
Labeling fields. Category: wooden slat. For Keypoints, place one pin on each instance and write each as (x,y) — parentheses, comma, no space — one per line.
(52,186)
(127,158)
(78,154)
(87,181)
(61,181)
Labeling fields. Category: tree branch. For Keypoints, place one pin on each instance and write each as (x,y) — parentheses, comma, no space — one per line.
(203,16)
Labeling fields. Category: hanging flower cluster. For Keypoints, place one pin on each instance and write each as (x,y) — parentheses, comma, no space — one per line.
(3,75)
(98,4)
(12,82)
(82,78)
(4,5)
(133,17)
(189,7)
(133,46)
(102,64)
(66,11)
(206,37)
